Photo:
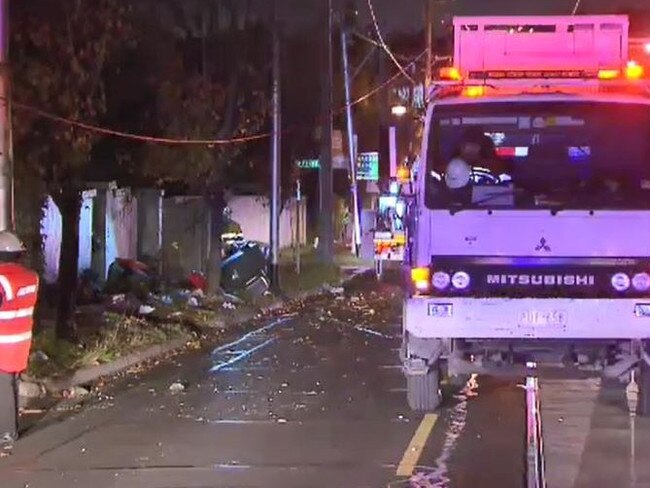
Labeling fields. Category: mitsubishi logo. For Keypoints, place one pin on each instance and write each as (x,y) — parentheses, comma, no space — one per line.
(543,246)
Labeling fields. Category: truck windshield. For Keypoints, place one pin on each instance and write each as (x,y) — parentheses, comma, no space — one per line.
(560,154)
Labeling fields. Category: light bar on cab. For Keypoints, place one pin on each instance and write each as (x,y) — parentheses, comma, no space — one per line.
(450,73)
(528,74)
(632,71)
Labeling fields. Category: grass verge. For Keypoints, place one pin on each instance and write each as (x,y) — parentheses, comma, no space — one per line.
(312,272)
(119,335)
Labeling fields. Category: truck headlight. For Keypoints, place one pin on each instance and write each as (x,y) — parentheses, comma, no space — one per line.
(460,280)
(440,280)
(620,281)
(641,282)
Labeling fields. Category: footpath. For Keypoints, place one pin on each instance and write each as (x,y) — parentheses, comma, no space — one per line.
(61,375)
(590,438)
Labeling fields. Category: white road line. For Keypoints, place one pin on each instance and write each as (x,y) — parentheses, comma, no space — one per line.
(241,356)
(251,334)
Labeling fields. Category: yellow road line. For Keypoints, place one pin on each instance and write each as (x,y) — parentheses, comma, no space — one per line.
(416,446)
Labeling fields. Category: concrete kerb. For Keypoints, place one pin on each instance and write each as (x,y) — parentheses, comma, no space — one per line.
(93,373)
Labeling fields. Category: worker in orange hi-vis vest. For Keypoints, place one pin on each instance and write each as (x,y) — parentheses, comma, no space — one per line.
(18,294)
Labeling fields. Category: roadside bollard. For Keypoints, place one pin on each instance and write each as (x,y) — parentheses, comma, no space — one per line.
(632,394)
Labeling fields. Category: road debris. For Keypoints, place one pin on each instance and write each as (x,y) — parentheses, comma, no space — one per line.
(31,390)
(176,388)
(75,392)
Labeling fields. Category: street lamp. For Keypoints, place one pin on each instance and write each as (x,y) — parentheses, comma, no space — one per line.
(398,110)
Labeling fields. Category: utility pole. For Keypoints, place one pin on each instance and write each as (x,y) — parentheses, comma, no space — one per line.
(383,100)
(356,241)
(275,152)
(298,224)
(428,77)
(6,172)
(326,230)
(429,41)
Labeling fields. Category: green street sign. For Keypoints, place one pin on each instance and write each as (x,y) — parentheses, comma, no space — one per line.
(308,164)
(368,166)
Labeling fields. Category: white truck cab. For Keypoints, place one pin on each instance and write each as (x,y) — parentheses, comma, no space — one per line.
(545,242)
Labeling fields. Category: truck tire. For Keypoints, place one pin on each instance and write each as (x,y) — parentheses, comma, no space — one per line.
(423,391)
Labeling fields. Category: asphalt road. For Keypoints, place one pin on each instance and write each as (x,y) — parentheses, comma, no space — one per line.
(314,399)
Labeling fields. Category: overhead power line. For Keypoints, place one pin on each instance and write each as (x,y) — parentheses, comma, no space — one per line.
(384,84)
(576,7)
(129,135)
(383,44)
(183,141)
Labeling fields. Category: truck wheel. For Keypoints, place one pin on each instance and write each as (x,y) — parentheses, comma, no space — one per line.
(423,391)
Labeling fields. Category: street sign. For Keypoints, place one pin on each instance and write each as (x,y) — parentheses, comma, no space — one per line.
(368,166)
(339,159)
(307,164)
(409,95)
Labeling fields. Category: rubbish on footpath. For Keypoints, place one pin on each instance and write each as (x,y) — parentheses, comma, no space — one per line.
(125,303)
(245,269)
(32,411)
(38,357)
(198,281)
(198,293)
(233,298)
(89,290)
(146,310)
(28,389)
(75,392)
(129,276)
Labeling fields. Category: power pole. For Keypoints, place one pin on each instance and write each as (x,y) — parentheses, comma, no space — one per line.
(428,77)
(6,172)
(298,224)
(383,100)
(275,152)
(326,230)
(356,241)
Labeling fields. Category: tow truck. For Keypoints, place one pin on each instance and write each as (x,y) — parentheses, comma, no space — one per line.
(536,251)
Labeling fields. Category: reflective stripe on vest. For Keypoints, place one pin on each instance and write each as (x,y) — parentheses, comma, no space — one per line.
(6,287)
(26,290)
(15,338)
(16,314)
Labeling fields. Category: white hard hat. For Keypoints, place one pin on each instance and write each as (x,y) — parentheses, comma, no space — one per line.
(9,242)
(458,174)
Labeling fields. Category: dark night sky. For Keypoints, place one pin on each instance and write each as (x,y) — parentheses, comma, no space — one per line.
(407,15)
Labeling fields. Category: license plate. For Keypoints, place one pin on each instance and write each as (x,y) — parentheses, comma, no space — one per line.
(440,310)
(545,318)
